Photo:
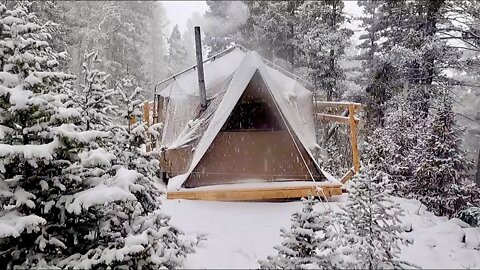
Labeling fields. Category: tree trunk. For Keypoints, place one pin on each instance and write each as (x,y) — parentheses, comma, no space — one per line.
(477,177)
(433,9)
(332,85)
(292,6)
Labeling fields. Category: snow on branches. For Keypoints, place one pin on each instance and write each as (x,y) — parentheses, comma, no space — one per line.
(310,242)
(370,222)
(64,201)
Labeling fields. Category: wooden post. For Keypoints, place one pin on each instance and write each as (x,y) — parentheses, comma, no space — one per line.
(353,139)
(146,119)
(133,119)
(159,109)
(146,113)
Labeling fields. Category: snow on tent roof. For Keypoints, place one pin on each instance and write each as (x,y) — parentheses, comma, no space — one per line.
(293,100)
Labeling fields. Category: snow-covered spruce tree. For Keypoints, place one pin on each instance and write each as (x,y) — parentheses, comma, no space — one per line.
(177,52)
(371,230)
(134,232)
(335,149)
(58,200)
(98,110)
(378,77)
(321,38)
(224,25)
(135,136)
(309,244)
(396,147)
(441,178)
(39,171)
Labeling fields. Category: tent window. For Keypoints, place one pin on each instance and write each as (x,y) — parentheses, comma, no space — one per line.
(250,116)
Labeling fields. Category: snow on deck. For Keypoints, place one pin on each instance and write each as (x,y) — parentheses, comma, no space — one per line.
(240,233)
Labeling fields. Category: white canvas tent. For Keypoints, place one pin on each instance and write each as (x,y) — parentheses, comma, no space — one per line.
(227,79)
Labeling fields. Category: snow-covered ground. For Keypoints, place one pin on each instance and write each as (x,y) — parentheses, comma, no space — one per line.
(239,234)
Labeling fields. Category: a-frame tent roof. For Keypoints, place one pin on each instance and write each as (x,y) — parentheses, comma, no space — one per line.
(293,101)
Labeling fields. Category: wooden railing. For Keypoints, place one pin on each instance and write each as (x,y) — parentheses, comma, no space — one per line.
(343,113)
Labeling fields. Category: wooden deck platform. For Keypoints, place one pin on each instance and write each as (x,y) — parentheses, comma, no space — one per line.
(262,193)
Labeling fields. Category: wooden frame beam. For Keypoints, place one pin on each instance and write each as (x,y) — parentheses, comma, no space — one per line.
(256,194)
(335,104)
(347,176)
(323,117)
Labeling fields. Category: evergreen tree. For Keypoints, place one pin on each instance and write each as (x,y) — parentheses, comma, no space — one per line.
(137,229)
(440,180)
(223,24)
(264,26)
(120,31)
(155,57)
(177,53)
(396,148)
(416,47)
(270,30)
(378,78)
(309,244)
(371,230)
(275,24)
(322,38)
(63,205)
(39,172)
(96,102)
(133,135)
(368,45)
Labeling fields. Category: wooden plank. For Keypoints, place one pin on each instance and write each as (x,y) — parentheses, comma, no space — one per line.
(323,117)
(133,120)
(159,109)
(264,194)
(146,113)
(348,176)
(335,104)
(353,137)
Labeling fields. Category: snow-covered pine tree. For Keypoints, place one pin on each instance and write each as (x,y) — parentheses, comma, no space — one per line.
(368,45)
(395,148)
(58,200)
(441,178)
(269,28)
(335,153)
(224,25)
(98,110)
(309,244)
(39,174)
(134,233)
(378,77)
(119,30)
(157,43)
(134,135)
(321,37)
(370,221)
(177,53)
(412,32)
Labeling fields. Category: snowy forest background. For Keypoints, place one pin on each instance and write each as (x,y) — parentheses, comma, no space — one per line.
(395,47)
(74,72)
